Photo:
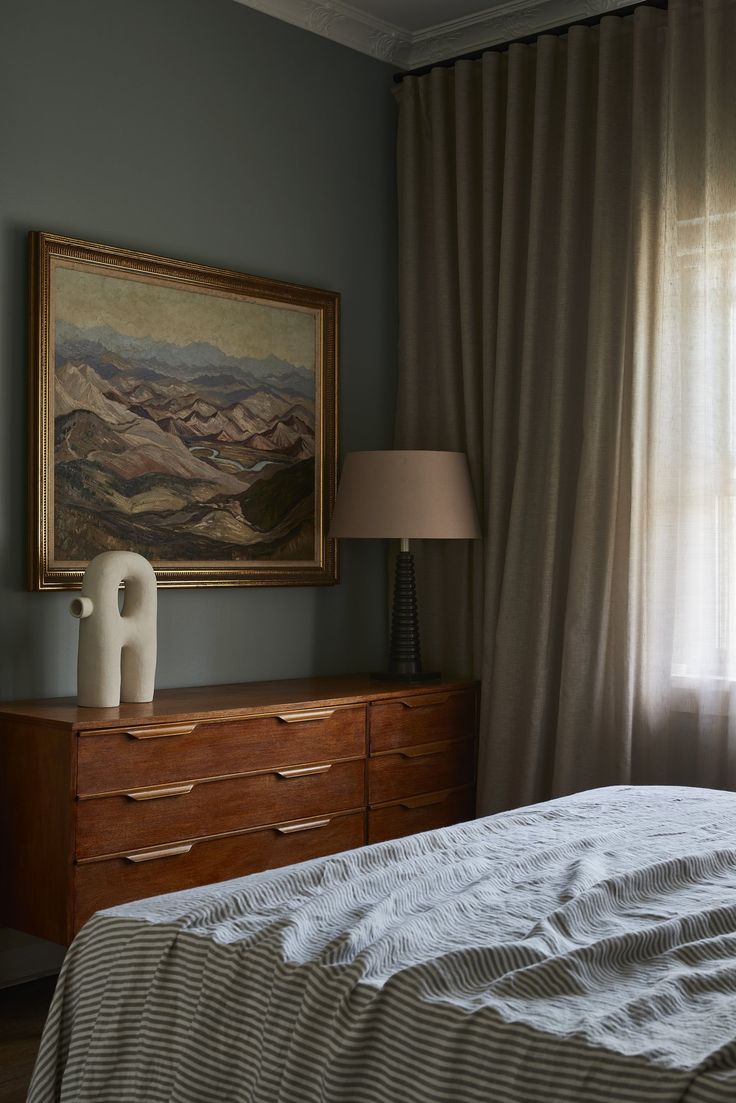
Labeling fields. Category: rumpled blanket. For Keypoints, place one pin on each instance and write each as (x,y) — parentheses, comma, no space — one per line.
(581,950)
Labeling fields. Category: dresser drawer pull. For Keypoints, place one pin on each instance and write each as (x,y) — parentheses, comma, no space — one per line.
(427,749)
(306,715)
(155,794)
(292,828)
(303,771)
(422,802)
(164,852)
(426,701)
(161,733)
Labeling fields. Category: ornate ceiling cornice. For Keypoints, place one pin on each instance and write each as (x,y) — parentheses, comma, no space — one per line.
(340,22)
(397,46)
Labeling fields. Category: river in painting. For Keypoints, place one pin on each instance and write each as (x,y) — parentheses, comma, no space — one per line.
(184,423)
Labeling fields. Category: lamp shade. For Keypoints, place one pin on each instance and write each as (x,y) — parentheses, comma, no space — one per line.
(405,494)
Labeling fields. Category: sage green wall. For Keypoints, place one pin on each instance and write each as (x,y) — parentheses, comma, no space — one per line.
(203,130)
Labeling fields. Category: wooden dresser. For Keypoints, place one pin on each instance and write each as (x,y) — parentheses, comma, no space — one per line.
(102,806)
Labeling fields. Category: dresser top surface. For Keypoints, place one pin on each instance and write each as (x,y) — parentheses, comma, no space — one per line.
(242,699)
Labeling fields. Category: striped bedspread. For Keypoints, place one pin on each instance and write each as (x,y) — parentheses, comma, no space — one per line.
(581,950)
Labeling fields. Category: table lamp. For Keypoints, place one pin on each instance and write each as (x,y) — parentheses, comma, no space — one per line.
(405,495)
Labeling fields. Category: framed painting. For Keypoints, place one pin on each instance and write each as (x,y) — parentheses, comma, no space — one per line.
(183,412)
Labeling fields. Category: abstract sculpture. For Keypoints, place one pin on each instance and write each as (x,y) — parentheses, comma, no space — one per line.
(117,650)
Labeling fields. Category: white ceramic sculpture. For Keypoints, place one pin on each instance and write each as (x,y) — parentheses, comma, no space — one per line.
(117,651)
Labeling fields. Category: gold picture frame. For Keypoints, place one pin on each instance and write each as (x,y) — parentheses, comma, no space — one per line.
(185,412)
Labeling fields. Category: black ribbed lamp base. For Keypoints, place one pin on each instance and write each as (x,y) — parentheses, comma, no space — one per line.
(405,655)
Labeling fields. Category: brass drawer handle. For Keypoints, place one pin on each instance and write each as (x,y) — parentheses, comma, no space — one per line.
(292,828)
(164,852)
(155,794)
(428,749)
(161,732)
(423,801)
(306,715)
(303,771)
(426,701)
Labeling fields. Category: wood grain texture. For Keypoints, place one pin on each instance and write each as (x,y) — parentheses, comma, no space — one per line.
(114,881)
(110,761)
(36,829)
(81,787)
(214,702)
(392,821)
(106,825)
(444,765)
(429,717)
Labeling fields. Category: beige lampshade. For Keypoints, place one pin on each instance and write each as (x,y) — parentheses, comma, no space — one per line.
(406,494)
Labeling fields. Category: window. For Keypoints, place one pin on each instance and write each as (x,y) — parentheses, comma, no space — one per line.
(704,452)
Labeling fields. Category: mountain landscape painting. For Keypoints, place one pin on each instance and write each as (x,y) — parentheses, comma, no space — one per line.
(187,425)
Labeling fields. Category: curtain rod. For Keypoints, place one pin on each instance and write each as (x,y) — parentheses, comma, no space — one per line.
(588,21)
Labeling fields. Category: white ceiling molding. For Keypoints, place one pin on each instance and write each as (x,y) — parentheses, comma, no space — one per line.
(348,25)
(514,19)
(342,23)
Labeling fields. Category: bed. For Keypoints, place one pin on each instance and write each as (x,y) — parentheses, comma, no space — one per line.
(580,950)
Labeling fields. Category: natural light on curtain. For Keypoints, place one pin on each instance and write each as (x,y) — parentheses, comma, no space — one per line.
(567,216)
(703,450)
(691,567)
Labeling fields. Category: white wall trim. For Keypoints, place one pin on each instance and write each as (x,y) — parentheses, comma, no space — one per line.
(343,23)
(514,19)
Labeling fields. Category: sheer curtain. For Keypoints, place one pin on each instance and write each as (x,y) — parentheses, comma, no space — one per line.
(687,508)
(567,306)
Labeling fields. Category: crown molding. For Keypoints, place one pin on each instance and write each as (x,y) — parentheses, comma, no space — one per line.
(514,19)
(343,23)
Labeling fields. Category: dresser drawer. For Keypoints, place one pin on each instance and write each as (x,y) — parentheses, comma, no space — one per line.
(423,813)
(421,718)
(158,755)
(148,817)
(111,881)
(423,769)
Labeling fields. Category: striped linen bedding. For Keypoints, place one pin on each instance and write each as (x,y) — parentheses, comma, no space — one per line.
(579,950)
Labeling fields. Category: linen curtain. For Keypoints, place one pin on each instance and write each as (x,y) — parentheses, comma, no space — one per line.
(568,319)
